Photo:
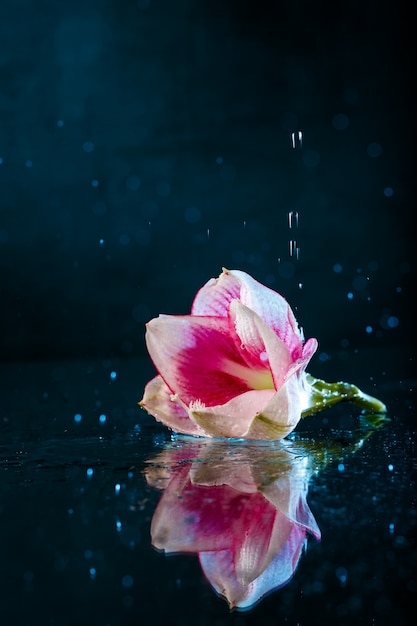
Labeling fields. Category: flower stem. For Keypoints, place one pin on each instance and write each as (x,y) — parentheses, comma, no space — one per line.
(324,394)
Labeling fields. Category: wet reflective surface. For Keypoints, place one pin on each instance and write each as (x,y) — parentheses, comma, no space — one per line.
(106,519)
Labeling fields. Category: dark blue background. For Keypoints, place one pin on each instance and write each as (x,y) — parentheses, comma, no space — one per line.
(163,128)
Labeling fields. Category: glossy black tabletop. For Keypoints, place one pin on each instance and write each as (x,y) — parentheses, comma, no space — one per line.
(108,518)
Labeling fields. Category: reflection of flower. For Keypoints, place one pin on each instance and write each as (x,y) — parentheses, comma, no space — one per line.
(236,366)
(243,509)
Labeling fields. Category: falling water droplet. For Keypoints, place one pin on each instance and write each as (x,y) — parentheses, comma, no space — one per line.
(293,219)
(297,139)
(300,285)
(244,223)
(101,242)
(208,233)
(293,248)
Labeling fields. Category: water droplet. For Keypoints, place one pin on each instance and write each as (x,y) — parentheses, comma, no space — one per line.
(92,572)
(293,219)
(77,418)
(337,268)
(208,233)
(390,467)
(244,223)
(117,488)
(102,419)
(94,183)
(118,526)
(101,242)
(293,247)
(90,472)
(1,161)
(219,160)
(113,375)
(341,467)
(391,528)
(369,329)
(60,123)
(389,321)
(350,296)
(341,573)
(300,285)
(127,581)
(28,163)
(297,139)
(88,146)
(388,192)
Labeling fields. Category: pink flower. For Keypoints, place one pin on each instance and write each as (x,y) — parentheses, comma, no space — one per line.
(235,367)
(243,511)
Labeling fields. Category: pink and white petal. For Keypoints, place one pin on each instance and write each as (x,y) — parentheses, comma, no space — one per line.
(232,419)
(288,494)
(281,414)
(309,349)
(272,308)
(197,358)
(299,366)
(260,544)
(157,400)
(259,344)
(199,524)
(205,517)
(214,298)
(279,571)
(219,569)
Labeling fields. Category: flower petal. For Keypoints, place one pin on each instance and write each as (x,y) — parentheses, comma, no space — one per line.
(206,518)
(288,494)
(220,569)
(259,342)
(215,297)
(262,414)
(157,400)
(232,419)
(198,358)
(281,414)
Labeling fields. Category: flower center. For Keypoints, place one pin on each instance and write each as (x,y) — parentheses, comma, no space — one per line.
(254,378)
